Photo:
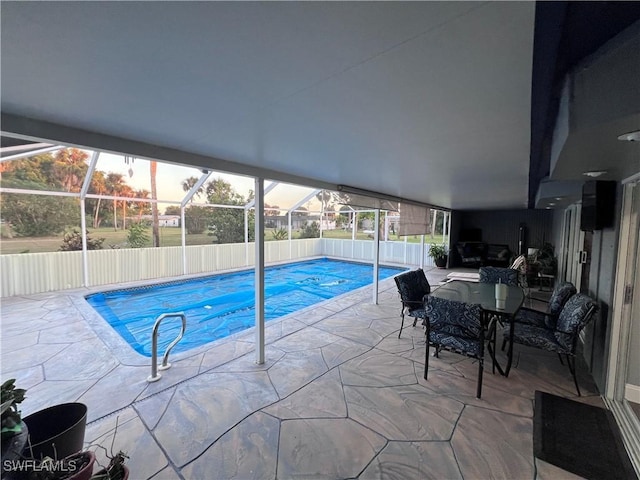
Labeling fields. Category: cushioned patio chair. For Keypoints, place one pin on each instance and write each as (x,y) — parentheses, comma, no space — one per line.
(561,338)
(507,276)
(561,293)
(457,327)
(413,288)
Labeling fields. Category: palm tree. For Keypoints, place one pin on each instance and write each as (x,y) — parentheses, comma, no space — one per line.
(72,168)
(99,187)
(188,184)
(154,206)
(125,191)
(114,184)
(142,206)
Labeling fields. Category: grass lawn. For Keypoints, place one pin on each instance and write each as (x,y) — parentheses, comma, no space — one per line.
(169,237)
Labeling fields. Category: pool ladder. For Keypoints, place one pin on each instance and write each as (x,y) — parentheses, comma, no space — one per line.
(155,376)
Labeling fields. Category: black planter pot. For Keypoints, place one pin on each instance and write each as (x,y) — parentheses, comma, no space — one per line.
(57,431)
(440,262)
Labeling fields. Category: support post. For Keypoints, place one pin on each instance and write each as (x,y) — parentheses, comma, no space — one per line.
(184,240)
(259,269)
(376,255)
(246,234)
(290,232)
(85,260)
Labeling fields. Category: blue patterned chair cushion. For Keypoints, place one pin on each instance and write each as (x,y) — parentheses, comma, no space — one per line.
(575,314)
(454,325)
(453,317)
(508,276)
(413,286)
(457,344)
(561,293)
(534,317)
(539,337)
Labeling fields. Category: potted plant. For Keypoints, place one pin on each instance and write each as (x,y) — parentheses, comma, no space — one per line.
(439,254)
(57,431)
(14,430)
(78,466)
(10,397)
(18,445)
(116,469)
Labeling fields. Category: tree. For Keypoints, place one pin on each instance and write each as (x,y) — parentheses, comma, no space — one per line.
(188,184)
(70,168)
(172,210)
(221,192)
(125,191)
(300,212)
(98,186)
(114,183)
(271,213)
(227,224)
(143,207)
(38,172)
(197,218)
(153,167)
(324,197)
(39,215)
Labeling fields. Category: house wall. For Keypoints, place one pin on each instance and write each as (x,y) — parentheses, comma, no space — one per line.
(604,253)
(503,227)
(600,286)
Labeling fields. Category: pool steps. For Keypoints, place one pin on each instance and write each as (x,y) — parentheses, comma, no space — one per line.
(155,376)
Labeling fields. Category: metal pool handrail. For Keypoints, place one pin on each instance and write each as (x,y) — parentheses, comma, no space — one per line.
(155,376)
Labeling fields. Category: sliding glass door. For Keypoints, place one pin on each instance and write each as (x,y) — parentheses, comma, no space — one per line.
(623,380)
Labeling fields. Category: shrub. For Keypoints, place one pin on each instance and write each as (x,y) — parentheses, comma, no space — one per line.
(280,234)
(310,230)
(137,236)
(72,241)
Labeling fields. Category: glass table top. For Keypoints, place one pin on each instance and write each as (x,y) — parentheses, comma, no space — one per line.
(483,294)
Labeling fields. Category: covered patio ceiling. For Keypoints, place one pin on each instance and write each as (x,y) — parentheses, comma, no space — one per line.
(452,104)
(428,101)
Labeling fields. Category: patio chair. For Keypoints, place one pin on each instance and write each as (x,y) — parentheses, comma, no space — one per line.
(507,276)
(561,338)
(561,293)
(413,288)
(520,264)
(457,327)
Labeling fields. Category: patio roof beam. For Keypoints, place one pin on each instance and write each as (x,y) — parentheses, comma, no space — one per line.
(25,128)
(304,200)
(39,192)
(31,153)
(89,175)
(23,147)
(271,186)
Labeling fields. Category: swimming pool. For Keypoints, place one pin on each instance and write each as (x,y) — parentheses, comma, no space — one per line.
(220,305)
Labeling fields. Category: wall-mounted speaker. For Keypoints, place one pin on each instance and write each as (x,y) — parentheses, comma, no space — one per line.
(598,205)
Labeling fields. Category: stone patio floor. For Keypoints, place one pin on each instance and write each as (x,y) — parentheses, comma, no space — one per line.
(338,397)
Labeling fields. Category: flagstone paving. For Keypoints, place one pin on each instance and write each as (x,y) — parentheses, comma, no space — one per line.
(339,396)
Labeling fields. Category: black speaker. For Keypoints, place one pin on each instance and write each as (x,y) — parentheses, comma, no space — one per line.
(598,205)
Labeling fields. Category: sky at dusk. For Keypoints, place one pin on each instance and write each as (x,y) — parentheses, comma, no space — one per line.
(170,178)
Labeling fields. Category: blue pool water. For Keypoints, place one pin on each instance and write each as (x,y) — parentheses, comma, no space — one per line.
(221,305)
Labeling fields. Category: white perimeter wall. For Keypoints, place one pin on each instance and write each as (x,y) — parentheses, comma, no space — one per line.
(29,273)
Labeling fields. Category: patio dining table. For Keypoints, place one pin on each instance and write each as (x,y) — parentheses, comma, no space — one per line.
(483,294)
